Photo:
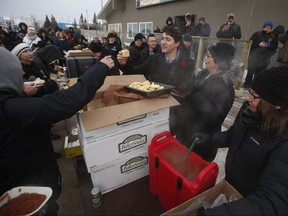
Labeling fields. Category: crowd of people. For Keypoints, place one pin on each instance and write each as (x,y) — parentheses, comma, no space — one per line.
(256,160)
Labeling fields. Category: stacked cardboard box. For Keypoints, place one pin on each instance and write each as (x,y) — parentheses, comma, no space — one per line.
(115,139)
(71,123)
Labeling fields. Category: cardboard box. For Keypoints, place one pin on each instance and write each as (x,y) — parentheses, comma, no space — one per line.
(72,146)
(104,151)
(122,117)
(105,126)
(71,125)
(121,172)
(84,52)
(113,80)
(101,116)
(109,135)
(190,207)
(118,80)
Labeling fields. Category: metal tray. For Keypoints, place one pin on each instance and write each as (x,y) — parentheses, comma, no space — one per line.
(149,94)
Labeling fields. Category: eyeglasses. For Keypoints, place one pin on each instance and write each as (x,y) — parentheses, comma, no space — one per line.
(252,93)
(208,55)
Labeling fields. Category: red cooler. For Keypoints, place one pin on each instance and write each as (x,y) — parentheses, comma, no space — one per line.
(174,178)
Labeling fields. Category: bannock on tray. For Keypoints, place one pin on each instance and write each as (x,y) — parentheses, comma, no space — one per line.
(149,94)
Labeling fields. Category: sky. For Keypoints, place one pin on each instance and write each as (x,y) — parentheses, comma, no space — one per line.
(62,10)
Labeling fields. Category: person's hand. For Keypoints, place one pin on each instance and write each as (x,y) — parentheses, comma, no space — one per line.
(49,87)
(226,28)
(31,89)
(108,61)
(205,146)
(262,44)
(121,59)
(204,140)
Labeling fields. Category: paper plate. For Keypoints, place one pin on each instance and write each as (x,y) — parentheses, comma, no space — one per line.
(33,83)
(27,189)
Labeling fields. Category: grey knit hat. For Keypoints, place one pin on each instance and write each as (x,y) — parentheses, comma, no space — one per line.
(11,73)
(19,49)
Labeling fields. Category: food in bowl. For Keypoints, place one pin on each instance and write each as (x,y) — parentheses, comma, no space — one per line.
(39,192)
(23,204)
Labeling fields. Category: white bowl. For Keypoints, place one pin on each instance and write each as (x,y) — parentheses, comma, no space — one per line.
(27,189)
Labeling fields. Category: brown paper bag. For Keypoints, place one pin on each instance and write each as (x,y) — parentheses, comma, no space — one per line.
(118,94)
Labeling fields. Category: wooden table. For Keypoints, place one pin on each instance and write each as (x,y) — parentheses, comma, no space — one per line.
(132,199)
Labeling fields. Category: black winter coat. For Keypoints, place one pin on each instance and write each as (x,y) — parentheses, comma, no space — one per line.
(261,55)
(283,51)
(233,32)
(206,106)
(26,151)
(257,167)
(135,55)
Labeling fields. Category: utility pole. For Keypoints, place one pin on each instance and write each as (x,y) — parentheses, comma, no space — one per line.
(88,24)
(12,18)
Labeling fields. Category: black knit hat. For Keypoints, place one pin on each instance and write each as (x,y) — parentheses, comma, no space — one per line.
(187,37)
(138,36)
(222,53)
(272,85)
(111,35)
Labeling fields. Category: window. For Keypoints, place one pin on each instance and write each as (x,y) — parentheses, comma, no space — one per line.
(145,28)
(132,29)
(146,3)
(116,26)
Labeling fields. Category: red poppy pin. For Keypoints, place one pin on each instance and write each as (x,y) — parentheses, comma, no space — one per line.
(184,64)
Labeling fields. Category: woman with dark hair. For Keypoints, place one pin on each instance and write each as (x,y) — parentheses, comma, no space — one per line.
(23,28)
(257,159)
(209,98)
(43,35)
(77,43)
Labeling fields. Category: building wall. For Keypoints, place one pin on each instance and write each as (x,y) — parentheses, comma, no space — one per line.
(250,14)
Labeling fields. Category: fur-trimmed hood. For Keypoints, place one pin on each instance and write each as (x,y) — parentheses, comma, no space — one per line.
(232,75)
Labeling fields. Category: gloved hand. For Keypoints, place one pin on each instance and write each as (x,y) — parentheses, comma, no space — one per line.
(204,146)
(49,87)
(200,211)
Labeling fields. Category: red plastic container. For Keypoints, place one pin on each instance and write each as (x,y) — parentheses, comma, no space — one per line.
(173,179)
